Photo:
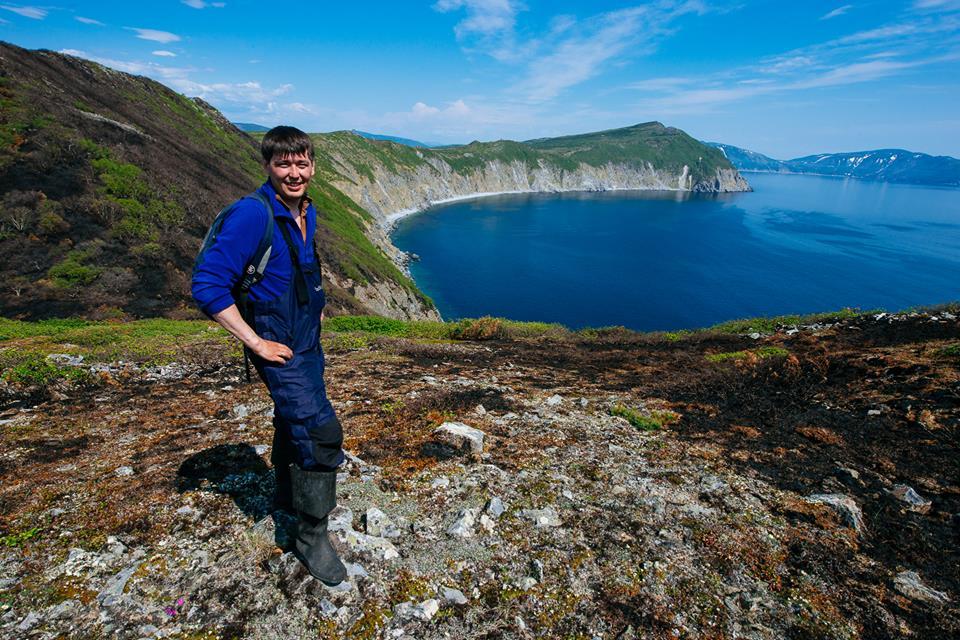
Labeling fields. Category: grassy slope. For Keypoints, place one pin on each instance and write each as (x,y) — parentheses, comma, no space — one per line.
(101,215)
(24,346)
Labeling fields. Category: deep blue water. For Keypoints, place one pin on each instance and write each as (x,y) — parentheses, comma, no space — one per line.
(663,260)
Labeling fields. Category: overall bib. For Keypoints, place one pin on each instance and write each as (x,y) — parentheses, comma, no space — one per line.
(306,429)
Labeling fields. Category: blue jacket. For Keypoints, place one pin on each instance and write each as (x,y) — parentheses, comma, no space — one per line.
(223,263)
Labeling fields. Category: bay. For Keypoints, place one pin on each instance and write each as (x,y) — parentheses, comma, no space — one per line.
(670,260)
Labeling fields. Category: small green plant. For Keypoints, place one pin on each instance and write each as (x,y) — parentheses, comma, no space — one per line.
(71,271)
(761,352)
(951,351)
(655,420)
(17,539)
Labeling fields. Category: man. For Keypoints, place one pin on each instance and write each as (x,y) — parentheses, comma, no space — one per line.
(279,325)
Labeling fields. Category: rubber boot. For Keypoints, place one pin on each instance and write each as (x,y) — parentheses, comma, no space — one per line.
(314,497)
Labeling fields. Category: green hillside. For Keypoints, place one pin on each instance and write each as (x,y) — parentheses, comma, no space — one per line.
(108,182)
(663,147)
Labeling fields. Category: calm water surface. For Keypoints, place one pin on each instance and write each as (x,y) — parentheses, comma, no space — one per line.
(661,260)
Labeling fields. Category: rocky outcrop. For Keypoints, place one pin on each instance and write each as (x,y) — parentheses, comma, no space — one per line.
(393,192)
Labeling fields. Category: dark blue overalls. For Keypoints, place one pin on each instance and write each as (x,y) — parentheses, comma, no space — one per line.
(307,431)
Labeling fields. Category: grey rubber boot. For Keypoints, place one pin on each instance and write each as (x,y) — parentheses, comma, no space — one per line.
(314,497)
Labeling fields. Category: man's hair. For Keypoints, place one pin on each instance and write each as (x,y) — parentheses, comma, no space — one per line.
(285,141)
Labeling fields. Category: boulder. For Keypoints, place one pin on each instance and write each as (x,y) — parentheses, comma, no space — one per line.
(461,437)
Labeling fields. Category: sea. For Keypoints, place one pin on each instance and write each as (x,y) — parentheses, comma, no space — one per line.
(667,260)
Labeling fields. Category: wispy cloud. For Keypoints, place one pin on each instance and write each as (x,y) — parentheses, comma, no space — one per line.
(572,50)
(155,35)
(488,27)
(246,95)
(202,4)
(27,12)
(164,54)
(839,11)
(88,21)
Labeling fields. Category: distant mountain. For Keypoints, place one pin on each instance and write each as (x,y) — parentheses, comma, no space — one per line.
(379,136)
(746,160)
(887,165)
(251,127)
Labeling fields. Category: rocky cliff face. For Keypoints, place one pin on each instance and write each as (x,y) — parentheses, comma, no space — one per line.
(391,191)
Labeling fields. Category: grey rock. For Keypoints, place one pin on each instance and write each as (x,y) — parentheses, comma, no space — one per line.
(845,506)
(240,411)
(66,359)
(542,517)
(116,585)
(261,449)
(908,583)
(461,436)
(487,523)
(355,570)
(423,611)
(526,583)
(536,569)
(453,596)
(327,608)
(495,507)
(123,471)
(553,401)
(911,499)
(28,622)
(440,483)
(379,524)
(463,525)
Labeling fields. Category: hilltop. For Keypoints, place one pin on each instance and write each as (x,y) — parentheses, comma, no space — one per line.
(763,479)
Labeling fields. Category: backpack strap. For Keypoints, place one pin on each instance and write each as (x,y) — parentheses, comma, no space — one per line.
(254,271)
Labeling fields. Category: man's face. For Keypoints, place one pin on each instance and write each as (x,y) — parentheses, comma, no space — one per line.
(290,175)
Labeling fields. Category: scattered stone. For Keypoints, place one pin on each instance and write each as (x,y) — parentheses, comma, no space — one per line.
(463,525)
(66,359)
(911,499)
(487,523)
(845,506)
(461,436)
(327,608)
(874,412)
(495,507)
(240,411)
(261,449)
(536,568)
(480,410)
(355,570)
(543,517)
(123,471)
(440,483)
(453,596)
(755,335)
(554,401)
(908,583)
(379,524)
(423,611)
(526,583)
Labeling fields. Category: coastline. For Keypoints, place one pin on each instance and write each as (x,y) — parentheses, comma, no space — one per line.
(391,220)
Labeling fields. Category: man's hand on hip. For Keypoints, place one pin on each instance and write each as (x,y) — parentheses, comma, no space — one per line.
(272,351)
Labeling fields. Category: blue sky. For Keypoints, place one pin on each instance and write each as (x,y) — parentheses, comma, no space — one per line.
(782,78)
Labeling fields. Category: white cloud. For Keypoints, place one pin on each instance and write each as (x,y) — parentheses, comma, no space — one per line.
(202,4)
(659,84)
(27,12)
(839,11)
(155,35)
(88,21)
(165,54)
